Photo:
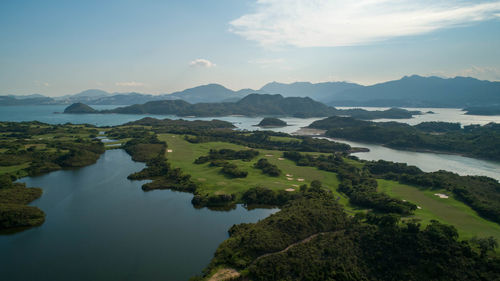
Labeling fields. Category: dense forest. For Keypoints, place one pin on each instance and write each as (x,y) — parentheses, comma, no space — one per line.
(472,140)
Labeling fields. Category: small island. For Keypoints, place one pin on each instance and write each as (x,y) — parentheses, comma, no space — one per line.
(270,122)
(79,108)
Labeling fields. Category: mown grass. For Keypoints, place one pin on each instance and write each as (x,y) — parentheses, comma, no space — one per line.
(284,139)
(449,211)
(213,182)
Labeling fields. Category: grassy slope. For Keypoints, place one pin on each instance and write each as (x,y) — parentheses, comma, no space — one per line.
(212,182)
(13,169)
(450,211)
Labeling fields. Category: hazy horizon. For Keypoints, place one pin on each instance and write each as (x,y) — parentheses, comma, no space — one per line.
(258,88)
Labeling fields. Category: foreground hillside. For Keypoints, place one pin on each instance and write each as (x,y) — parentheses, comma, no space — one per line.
(341,218)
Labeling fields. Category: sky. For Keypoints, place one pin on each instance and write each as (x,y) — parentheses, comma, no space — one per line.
(64,47)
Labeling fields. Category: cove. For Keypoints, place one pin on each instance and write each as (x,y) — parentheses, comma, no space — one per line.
(428,161)
(101,226)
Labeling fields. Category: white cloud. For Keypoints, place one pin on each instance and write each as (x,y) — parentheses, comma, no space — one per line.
(480,72)
(315,23)
(201,63)
(129,84)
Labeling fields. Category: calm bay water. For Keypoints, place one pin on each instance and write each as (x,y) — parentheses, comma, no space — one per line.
(101,226)
(46,114)
(428,162)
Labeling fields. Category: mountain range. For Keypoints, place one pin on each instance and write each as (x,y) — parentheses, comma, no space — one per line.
(409,91)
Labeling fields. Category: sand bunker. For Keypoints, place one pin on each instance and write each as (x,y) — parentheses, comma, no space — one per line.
(418,207)
(440,195)
(290,189)
(289,175)
(300,179)
(281,158)
(290,179)
(295,185)
(170,150)
(268,155)
(224,274)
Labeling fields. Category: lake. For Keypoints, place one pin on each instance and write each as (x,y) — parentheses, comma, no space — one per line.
(101,226)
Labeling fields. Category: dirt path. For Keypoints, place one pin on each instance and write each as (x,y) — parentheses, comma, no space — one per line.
(307,239)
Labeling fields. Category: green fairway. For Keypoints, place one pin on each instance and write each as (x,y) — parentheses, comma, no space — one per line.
(449,210)
(14,169)
(183,154)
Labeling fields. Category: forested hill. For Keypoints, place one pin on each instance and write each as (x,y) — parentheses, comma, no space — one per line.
(418,91)
(313,239)
(253,105)
(473,140)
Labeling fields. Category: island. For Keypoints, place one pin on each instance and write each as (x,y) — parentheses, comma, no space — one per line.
(270,122)
(79,108)
(251,105)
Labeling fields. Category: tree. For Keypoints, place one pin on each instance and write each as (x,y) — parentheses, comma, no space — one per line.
(485,244)
(5,181)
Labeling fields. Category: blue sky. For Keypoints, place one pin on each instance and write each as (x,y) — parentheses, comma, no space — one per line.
(63,47)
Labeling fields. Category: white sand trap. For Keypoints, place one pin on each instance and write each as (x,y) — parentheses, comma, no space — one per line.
(290,179)
(295,185)
(290,189)
(300,179)
(269,155)
(288,175)
(281,158)
(169,151)
(441,195)
(418,207)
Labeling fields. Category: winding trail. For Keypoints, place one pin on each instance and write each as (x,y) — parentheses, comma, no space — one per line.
(305,240)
